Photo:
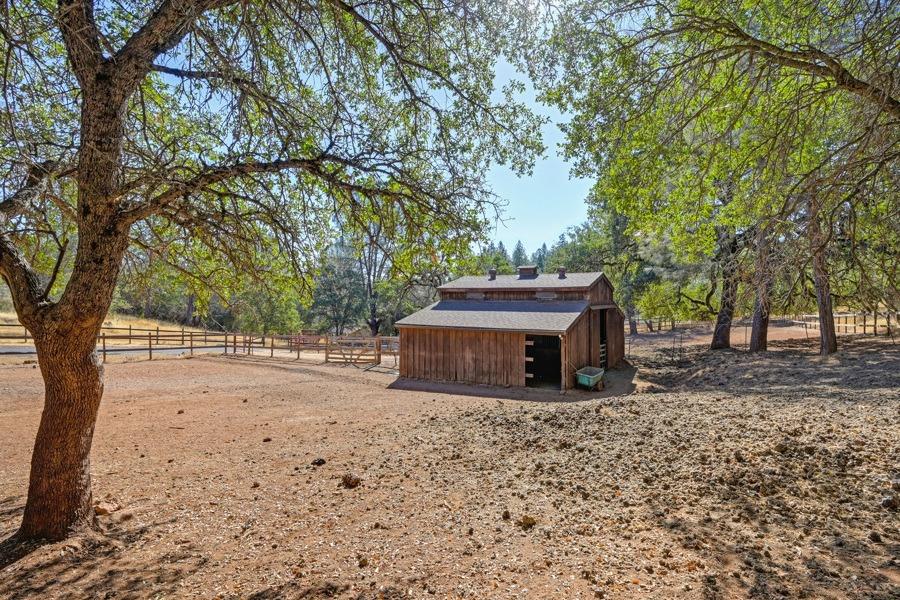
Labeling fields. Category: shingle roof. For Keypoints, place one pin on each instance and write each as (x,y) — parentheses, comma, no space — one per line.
(499,315)
(544,280)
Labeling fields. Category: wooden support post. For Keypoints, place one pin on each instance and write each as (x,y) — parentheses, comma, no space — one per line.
(103,337)
(191,336)
(272,347)
(234,347)
(378,350)
(157,335)
(150,344)
(327,348)
(129,333)
(182,336)
(298,347)
(563,363)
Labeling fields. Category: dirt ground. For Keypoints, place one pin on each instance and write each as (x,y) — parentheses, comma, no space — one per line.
(694,475)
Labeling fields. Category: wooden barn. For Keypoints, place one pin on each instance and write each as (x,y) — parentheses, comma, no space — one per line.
(529,329)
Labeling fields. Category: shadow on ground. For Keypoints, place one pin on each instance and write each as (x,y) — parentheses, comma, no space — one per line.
(618,382)
(90,564)
(790,368)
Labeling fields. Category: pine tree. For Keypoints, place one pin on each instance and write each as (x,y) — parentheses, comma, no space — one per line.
(519,255)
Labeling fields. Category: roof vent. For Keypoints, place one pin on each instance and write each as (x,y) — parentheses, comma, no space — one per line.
(527,271)
(562,272)
(492,273)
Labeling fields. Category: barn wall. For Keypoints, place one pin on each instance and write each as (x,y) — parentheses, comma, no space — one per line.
(515,294)
(595,315)
(601,292)
(578,348)
(487,357)
(615,338)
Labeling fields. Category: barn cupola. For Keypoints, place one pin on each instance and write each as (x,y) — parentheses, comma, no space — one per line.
(527,271)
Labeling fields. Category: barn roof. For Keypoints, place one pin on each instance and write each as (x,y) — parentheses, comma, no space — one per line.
(517,282)
(513,315)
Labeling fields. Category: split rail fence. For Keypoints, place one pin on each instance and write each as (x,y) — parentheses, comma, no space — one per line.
(873,323)
(355,350)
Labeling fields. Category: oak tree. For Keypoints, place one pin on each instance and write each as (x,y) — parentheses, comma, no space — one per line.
(239,128)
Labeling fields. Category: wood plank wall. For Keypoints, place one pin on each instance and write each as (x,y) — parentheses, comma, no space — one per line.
(487,357)
(514,294)
(578,347)
(615,338)
(599,293)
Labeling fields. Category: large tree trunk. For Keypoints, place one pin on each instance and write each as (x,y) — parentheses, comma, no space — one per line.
(722,333)
(65,333)
(59,490)
(827,334)
(759,331)
(189,310)
(632,322)
(373,321)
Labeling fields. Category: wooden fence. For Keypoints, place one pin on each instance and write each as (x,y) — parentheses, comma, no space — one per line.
(133,340)
(874,323)
(864,323)
(355,350)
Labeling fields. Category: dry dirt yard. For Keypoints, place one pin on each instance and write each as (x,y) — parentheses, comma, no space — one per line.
(724,476)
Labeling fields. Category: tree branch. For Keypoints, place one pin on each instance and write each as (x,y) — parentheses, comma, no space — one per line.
(23,281)
(35,180)
(163,31)
(813,61)
(314,166)
(82,38)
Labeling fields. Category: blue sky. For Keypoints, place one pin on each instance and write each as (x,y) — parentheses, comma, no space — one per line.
(544,204)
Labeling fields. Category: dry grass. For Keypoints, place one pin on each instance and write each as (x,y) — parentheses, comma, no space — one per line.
(114,320)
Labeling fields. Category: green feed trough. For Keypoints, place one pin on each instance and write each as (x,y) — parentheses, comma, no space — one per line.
(589,377)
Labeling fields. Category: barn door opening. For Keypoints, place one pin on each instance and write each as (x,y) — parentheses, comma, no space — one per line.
(543,363)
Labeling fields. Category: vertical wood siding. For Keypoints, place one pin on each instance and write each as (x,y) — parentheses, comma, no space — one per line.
(615,338)
(578,348)
(487,357)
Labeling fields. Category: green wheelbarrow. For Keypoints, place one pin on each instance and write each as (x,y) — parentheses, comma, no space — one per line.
(589,377)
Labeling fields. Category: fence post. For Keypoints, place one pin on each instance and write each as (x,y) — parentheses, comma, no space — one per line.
(157,335)
(378,350)
(191,337)
(129,333)
(298,347)
(327,348)
(234,342)
(182,335)
(150,344)
(272,346)
(103,337)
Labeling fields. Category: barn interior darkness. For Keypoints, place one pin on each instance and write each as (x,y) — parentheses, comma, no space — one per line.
(545,366)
